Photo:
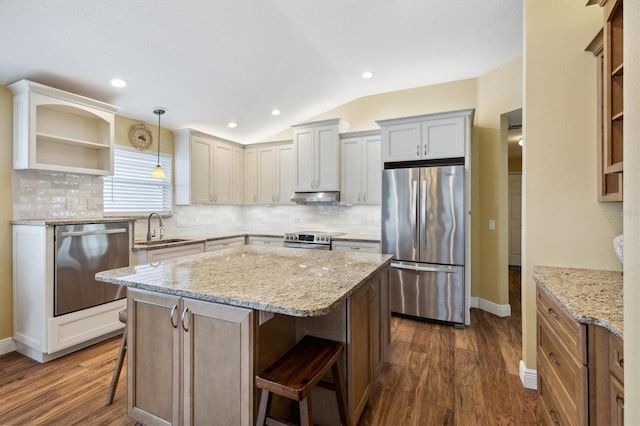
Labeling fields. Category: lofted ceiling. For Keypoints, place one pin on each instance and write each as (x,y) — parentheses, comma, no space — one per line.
(209,62)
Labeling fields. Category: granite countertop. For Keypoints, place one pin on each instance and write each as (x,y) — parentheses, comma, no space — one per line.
(294,282)
(589,296)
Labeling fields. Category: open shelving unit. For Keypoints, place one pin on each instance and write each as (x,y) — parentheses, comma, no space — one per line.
(60,131)
(607,47)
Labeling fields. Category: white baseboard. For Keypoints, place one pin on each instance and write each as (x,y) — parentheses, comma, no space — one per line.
(7,345)
(528,377)
(491,307)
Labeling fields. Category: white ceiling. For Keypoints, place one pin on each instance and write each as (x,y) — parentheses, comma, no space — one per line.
(214,61)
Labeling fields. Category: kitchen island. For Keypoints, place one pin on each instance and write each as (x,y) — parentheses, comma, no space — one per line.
(201,327)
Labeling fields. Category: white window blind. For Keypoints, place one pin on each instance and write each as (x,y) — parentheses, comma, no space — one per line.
(131,189)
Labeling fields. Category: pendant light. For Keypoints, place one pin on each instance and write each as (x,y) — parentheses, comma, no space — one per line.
(158,173)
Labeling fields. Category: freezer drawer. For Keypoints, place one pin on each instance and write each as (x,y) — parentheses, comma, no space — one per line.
(428,291)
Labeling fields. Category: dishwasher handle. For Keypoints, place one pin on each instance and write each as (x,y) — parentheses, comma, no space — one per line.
(99,232)
(445,269)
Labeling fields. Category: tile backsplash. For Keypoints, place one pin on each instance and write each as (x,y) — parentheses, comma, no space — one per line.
(51,195)
(363,220)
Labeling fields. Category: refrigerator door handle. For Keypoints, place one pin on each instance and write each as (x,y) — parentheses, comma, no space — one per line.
(446,269)
(415,187)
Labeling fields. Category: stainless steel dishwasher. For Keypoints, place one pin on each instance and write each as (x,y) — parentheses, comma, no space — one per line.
(82,250)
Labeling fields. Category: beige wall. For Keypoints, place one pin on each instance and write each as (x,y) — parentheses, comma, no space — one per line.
(499,92)
(6,160)
(564,225)
(632,207)
(123,126)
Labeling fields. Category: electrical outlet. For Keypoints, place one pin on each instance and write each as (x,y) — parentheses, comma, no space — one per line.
(492,225)
(71,203)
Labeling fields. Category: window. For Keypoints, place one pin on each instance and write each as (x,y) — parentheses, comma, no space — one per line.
(131,188)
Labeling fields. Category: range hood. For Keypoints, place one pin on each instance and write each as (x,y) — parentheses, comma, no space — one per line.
(316,197)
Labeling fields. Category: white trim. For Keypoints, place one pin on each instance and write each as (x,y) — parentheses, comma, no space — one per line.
(528,377)
(7,345)
(491,307)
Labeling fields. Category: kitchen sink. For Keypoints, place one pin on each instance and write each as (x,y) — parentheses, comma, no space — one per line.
(163,241)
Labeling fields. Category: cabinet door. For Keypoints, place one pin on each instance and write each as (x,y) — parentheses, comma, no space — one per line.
(285,174)
(327,158)
(351,171)
(153,358)
(372,170)
(304,160)
(401,142)
(237,183)
(201,171)
(222,173)
(251,176)
(359,351)
(267,175)
(443,138)
(218,359)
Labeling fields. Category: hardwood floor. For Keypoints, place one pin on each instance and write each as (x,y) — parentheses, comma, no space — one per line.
(439,375)
(436,374)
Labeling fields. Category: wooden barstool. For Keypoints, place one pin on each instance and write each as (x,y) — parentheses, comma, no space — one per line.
(297,372)
(122,316)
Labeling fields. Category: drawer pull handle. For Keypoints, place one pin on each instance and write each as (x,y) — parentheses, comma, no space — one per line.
(184,316)
(173,311)
(620,401)
(621,363)
(553,358)
(554,418)
(553,313)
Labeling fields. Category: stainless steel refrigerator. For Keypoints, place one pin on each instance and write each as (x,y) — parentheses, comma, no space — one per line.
(423,227)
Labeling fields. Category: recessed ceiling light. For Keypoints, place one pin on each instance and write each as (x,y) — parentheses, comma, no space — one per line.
(367,74)
(232,124)
(275,112)
(118,82)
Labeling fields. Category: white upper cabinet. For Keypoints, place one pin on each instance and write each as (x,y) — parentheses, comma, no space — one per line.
(251,176)
(426,137)
(361,169)
(237,182)
(206,169)
(317,155)
(59,131)
(274,174)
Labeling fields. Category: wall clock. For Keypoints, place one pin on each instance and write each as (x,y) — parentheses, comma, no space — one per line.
(140,136)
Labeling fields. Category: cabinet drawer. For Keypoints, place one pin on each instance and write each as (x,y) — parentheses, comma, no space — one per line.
(550,407)
(616,360)
(213,245)
(562,362)
(571,333)
(616,402)
(555,406)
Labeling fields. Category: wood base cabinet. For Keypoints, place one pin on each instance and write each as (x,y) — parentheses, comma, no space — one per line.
(189,361)
(580,369)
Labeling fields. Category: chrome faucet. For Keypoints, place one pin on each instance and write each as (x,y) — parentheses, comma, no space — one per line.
(149,234)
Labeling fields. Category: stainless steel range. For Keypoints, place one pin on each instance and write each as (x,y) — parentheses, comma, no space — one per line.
(310,239)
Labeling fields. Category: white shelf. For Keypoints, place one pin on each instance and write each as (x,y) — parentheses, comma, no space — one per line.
(60,131)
